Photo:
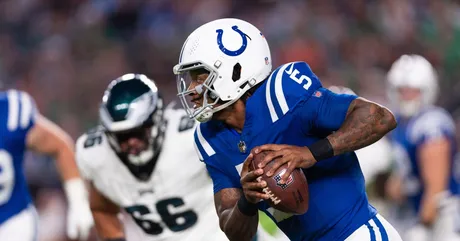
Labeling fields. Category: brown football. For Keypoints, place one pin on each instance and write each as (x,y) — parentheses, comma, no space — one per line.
(291,197)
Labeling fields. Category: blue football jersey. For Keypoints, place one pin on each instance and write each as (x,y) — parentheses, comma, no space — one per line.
(17,117)
(409,136)
(292,107)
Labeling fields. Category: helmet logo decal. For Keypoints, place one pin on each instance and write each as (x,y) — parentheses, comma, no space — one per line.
(237,52)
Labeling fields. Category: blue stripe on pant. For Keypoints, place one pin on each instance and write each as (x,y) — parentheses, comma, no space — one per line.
(383,232)
(371,231)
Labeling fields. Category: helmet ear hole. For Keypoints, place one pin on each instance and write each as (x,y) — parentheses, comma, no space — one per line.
(236,75)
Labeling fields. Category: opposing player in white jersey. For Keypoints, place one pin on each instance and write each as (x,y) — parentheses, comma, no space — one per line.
(424,148)
(23,128)
(141,161)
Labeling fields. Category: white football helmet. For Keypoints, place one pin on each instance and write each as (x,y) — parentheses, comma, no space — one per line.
(237,57)
(412,71)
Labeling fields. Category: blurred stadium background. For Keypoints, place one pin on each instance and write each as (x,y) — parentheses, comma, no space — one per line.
(64,53)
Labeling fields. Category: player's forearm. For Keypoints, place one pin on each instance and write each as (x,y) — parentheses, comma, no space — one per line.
(73,185)
(435,176)
(432,195)
(238,217)
(434,192)
(428,210)
(65,163)
(48,138)
(108,226)
(238,226)
(366,123)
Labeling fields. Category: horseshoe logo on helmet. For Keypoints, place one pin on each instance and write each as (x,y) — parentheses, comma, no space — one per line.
(237,52)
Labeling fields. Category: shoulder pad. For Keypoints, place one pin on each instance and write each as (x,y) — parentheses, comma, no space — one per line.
(90,148)
(21,110)
(178,120)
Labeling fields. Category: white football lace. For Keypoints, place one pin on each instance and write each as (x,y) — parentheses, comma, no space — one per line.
(267,191)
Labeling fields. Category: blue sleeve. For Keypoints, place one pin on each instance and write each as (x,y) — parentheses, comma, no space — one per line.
(324,111)
(219,179)
(206,153)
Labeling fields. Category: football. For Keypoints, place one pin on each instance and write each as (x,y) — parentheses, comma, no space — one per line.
(290,197)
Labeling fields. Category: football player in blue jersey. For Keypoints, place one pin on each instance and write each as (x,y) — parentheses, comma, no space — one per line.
(424,147)
(225,80)
(22,128)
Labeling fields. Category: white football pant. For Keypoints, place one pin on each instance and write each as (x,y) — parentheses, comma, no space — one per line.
(22,226)
(376,229)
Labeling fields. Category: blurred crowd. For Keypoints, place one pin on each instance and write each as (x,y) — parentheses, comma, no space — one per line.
(64,53)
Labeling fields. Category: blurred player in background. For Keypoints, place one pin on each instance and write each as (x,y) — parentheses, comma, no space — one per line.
(225,80)
(142,161)
(424,147)
(22,128)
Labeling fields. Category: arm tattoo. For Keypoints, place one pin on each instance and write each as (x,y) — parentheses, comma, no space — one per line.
(365,123)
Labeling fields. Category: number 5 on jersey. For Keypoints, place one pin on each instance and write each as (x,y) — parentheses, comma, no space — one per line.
(293,75)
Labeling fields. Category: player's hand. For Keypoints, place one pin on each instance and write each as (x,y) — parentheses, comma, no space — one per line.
(294,156)
(79,222)
(79,216)
(252,189)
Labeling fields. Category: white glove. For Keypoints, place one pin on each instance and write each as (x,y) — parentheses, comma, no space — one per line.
(79,216)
